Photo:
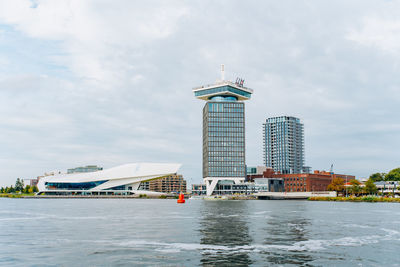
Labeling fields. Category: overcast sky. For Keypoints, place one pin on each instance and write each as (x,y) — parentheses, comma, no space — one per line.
(110,82)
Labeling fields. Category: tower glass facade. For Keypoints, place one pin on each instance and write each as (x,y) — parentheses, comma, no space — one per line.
(223,139)
(284,144)
(223,133)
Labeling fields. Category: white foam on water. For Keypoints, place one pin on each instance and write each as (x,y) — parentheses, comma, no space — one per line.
(259,216)
(168,250)
(357,226)
(261,212)
(390,232)
(309,245)
(227,216)
(22,218)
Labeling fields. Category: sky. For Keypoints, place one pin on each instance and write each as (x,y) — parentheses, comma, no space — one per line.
(110,82)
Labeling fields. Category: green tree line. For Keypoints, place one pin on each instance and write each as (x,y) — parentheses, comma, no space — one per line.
(393,175)
(355,188)
(19,188)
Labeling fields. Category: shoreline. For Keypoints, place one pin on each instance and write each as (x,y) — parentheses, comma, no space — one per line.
(357,199)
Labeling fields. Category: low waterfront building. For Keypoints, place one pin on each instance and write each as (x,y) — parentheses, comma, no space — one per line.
(199,189)
(302,182)
(388,187)
(170,184)
(246,188)
(124,179)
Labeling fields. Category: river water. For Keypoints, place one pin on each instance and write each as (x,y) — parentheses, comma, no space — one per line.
(143,232)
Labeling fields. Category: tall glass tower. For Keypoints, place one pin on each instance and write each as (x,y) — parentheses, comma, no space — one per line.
(223,132)
(284,144)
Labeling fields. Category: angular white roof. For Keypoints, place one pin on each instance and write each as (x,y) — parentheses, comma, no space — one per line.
(133,172)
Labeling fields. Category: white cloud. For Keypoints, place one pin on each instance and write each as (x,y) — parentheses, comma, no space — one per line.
(380,33)
(96,36)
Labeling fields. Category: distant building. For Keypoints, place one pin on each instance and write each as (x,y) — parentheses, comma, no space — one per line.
(169,184)
(388,187)
(267,185)
(199,189)
(88,168)
(256,170)
(284,145)
(34,182)
(259,185)
(259,172)
(302,182)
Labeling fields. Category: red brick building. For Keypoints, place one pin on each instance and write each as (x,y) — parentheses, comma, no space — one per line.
(303,182)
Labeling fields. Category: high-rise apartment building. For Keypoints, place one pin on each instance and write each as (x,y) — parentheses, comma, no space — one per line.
(284,144)
(223,132)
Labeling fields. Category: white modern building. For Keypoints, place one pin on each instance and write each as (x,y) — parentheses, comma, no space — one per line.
(124,179)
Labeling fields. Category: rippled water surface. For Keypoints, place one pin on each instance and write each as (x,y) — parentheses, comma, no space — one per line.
(127,232)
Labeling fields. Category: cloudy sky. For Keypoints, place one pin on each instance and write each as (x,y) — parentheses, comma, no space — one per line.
(110,82)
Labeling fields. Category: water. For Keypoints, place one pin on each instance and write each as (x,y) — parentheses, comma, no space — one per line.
(143,232)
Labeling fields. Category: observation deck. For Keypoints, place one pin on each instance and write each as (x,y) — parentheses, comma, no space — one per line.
(224,89)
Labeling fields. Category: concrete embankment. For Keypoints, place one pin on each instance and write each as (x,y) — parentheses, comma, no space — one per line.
(294,195)
(356,199)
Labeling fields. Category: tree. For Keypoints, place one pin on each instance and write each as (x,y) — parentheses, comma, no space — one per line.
(35,189)
(376,177)
(355,188)
(27,189)
(2,190)
(19,185)
(393,175)
(11,189)
(336,185)
(370,187)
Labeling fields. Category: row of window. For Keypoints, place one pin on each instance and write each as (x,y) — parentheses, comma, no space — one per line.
(225,174)
(227,124)
(237,133)
(226,156)
(298,184)
(225,149)
(225,143)
(221,115)
(223,154)
(231,163)
(226,119)
(226,139)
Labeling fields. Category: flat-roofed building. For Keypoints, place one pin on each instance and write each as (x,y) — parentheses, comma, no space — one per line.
(170,184)
(302,182)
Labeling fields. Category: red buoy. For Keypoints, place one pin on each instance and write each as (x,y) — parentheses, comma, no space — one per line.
(181,198)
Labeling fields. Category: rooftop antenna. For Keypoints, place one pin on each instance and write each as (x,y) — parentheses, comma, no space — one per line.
(222,73)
